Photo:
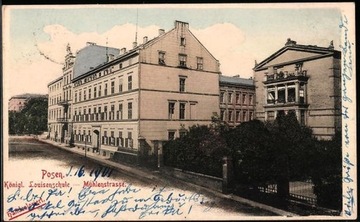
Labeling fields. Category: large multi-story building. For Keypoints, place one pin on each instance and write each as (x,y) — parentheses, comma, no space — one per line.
(304,79)
(237,99)
(137,98)
(18,102)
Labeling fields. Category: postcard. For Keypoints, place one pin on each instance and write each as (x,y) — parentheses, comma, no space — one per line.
(179,112)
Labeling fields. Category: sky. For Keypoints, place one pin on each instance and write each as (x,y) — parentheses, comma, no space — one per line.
(35,37)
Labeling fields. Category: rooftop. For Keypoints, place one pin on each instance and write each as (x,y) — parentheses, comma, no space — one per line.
(29,95)
(236,80)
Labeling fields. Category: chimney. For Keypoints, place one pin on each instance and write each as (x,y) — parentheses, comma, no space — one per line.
(161,32)
(145,39)
(122,51)
(180,24)
(110,57)
(134,45)
(290,42)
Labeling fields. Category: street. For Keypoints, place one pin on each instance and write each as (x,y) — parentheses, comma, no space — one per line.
(40,166)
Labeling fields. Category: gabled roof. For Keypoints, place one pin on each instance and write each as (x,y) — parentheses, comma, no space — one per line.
(315,51)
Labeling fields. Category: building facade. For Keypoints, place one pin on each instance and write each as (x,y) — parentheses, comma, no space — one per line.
(304,79)
(140,97)
(18,102)
(237,100)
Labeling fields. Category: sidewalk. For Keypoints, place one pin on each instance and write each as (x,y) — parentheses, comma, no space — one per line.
(149,176)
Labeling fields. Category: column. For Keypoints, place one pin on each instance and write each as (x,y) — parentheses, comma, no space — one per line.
(286,93)
(297,115)
(297,92)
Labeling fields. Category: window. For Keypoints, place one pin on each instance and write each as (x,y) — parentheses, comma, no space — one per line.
(105,113)
(79,96)
(291,93)
(237,98)
(281,94)
(182,111)
(250,99)
(112,138)
(271,95)
(112,111)
(251,115)
(120,66)
(112,87)
(182,60)
(99,113)
(84,95)
(120,85)
(243,98)
(171,109)
(120,111)
(99,90)
(121,140)
(182,41)
(131,145)
(244,116)
(105,90)
(222,97)
(302,93)
(237,117)
(182,84)
(129,82)
(162,58)
(95,92)
(222,115)
(229,97)
(230,115)
(199,65)
(89,93)
(75,96)
(129,110)
(171,135)
(104,139)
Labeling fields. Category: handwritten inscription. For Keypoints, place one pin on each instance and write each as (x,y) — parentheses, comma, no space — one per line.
(107,203)
(80,172)
(347,74)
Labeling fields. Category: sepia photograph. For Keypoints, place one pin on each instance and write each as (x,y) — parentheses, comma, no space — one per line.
(179,112)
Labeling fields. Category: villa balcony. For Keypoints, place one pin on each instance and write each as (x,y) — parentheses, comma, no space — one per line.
(286,76)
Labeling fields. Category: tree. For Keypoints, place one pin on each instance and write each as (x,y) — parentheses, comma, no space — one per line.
(200,150)
(32,119)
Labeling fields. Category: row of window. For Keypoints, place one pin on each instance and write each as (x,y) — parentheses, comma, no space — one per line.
(97,90)
(96,114)
(286,93)
(55,99)
(236,115)
(55,113)
(171,112)
(55,86)
(109,140)
(172,134)
(271,115)
(182,60)
(229,98)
